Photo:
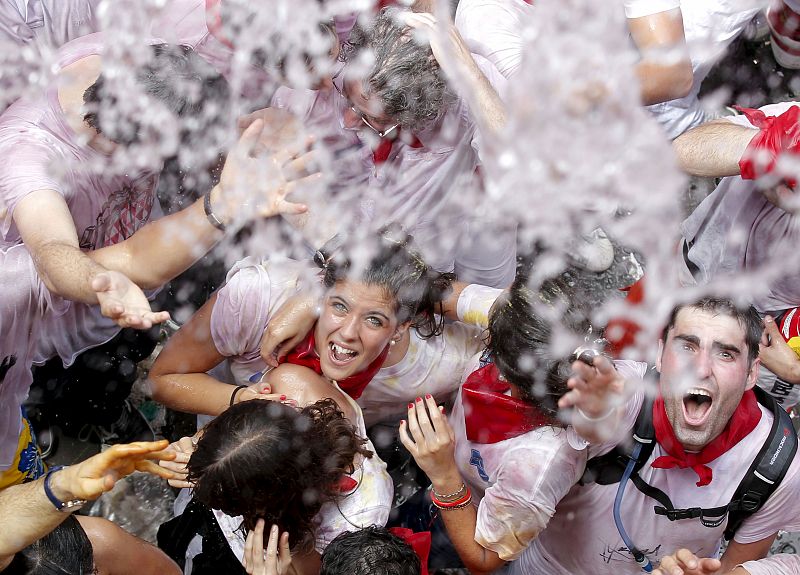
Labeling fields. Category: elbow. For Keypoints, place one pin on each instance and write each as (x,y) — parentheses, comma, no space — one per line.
(157,387)
(683,81)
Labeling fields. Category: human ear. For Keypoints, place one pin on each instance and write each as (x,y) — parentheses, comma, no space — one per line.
(658,355)
(752,376)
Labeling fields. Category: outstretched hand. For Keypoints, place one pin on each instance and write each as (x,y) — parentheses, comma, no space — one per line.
(177,456)
(275,561)
(123,301)
(98,474)
(594,389)
(257,180)
(684,562)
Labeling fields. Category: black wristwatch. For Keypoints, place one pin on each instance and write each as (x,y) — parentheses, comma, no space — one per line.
(64,506)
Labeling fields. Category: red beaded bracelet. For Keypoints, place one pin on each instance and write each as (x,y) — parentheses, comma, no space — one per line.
(456,504)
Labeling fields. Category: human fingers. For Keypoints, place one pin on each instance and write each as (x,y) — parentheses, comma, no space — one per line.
(413,426)
(248,551)
(257,554)
(249,138)
(406,439)
(284,554)
(604,366)
(301,166)
(272,551)
(425,424)
(438,421)
(770,332)
(569,399)
(153,468)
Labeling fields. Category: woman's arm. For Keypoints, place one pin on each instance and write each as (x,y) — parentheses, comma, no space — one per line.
(431,441)
(178,378)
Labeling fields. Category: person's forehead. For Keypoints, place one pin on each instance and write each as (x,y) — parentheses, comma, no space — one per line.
(691,321)
(362,295)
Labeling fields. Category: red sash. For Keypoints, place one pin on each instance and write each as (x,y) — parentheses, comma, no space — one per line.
(490,415)
(419,542)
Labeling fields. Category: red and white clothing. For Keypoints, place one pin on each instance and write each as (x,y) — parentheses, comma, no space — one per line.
(585,514)
(518,482)
(255,289)
(736,231)
(41,152)
(425,185)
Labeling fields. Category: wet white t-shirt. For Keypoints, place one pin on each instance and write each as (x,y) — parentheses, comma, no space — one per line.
(783,564)
(585,517)
(517,483)
(256,288)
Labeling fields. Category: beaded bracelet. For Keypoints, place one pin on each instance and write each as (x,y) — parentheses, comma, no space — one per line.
(234,392)
(462,501)
(449,496)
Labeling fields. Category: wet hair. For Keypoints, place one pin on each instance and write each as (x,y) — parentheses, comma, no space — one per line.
(66,550)
(263,459)
(276,50)
(521,334)
(181,81)
(747,317)
(417,290)
(404,76)
(369,551)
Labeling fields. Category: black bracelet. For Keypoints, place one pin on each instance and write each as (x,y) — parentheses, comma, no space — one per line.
(212,217)
(235,391)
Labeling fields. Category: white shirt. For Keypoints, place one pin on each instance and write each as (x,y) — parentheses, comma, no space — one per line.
(517,483)
(585,514)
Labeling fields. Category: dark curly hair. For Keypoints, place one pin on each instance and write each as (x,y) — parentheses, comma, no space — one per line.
(179,79)
(405,76)
(520,336)
(370,551)
(417,290)
(266,460)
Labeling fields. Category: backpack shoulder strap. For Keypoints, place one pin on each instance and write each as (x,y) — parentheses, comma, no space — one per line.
(768,468)
(608,468)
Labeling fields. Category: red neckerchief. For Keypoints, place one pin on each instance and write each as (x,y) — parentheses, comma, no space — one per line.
(489,415)
(419,542)
(214,22)
(742,422)
(305,354)
(381,153)
(777,135)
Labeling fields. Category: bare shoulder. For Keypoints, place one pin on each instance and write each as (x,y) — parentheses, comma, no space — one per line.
(306,386)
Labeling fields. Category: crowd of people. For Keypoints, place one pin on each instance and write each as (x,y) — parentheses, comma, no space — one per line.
(394,367)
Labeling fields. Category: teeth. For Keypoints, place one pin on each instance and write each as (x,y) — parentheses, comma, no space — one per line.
(695,391)
(341,350)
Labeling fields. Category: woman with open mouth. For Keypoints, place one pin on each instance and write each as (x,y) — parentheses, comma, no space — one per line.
(375,319)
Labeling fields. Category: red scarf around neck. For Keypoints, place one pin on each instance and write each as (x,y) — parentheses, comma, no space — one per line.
(490,415)
(741,424)
(384,148)
(305,354)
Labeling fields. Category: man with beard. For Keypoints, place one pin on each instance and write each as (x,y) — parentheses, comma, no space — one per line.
(708,425)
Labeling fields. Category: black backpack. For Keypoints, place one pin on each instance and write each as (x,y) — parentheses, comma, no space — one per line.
(762,478)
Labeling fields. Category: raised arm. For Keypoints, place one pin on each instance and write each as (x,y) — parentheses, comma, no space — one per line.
(431,441)
(253,185)
(665,71)
(28,514)
(713,149)
(455,59)
(178,378)
(112,276)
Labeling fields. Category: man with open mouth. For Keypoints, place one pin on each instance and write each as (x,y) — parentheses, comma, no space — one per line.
(707,427)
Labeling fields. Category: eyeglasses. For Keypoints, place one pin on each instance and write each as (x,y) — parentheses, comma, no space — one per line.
(381,133)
